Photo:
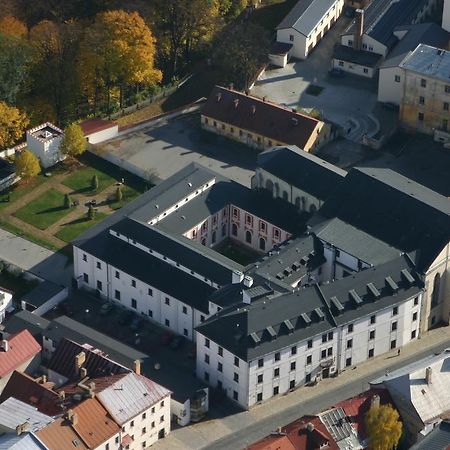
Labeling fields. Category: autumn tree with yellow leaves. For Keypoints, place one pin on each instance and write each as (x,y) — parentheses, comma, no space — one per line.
(10,26)
(27,165)
(383,427)
(13,124)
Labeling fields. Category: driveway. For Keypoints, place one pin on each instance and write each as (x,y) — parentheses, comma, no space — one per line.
(157,151)
(349,101)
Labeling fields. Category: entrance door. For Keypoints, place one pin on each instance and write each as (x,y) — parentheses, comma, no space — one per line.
(326,373)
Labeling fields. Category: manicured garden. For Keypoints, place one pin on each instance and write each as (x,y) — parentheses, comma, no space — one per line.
(81,181)
(69,231)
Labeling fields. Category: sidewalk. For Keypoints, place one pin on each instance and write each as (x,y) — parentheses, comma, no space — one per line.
(243,428)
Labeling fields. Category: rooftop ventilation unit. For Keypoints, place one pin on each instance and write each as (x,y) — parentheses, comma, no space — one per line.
(289,326)
(337,304)
(355,297)
(391,284)
(406,275)
(374,292)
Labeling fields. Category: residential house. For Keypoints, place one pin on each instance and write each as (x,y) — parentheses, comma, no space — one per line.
(44,141)
(260,123)
(304,27)
(425,104)
(23,441)
(297,177)
(391,78)
(6,303)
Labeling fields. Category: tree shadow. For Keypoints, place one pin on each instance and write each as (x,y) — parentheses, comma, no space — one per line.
(51,210)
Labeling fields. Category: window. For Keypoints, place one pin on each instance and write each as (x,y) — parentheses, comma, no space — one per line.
(445,124)
(294,350)
(150,313)
(236,377)
(132,424)
(323,354)
(330,336)
(276,372)
(371,353)
(153,410)
(107,447)
(249,220)
(308,378)
(248,237)
(365,70)
(395,310)
(397,78)
(235,213)
(324,338)
(85,277)
(447,88)
(262,244)
(84,257)
(167,301)
(262,226)
(341,63)
(420,117)
(309,359)
(292,384)
(413,334)
(350,43)
(161,404)
(153,424)
(207,341)
(350,328)
(236,361)
(202,318)
(350,343)
(117,274)
(184,310)
(117,440)
(330,351)
(161,419)
(445,106)
(422,100)
(220,367)
(393,344)
(277,356)
(99,285)
(99,265)
(423,82)
(393,326)
(370,48)
(220,351)
(372,334)
(144,416)
(276,390)
(373,319)
(416,301)
(293,365)
(348,362)
(150,292)
(259,397)
(235,396)
(291,37)
(234,229)
(133,303)
(167,322)
(133,283)
(337,253)
(117,295)
(310,343)
(260,362)
(213,237)
(224,229)
(185,332)
(144,444)
(144,430)
(260,378)
(215,123)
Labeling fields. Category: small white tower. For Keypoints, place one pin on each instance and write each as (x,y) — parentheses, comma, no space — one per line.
(44,142)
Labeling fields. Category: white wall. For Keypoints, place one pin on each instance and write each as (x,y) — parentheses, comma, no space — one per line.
(51,303)
(369,44)
(182,411)
(298,41)
(103,135)
(390,90)
(5,303)
(355,69)
(47,152)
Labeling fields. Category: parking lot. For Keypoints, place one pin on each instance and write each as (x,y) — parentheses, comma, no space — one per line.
(158,151)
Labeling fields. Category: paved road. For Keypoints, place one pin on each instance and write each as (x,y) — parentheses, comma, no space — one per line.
(240,429)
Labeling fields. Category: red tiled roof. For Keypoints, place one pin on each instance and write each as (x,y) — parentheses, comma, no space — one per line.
(355,408)
(60,435)
(22,347)
(24,388)
(261,117)
(91,126)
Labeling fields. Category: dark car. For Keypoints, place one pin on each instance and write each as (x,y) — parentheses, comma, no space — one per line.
(336,72)
(177,342)
(136,324)
(166,338)
(126,317)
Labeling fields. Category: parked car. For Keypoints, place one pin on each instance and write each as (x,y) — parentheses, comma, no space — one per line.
(136,324)
(166,338)
(336,72)
(177,342)
(106,308)
(125,317)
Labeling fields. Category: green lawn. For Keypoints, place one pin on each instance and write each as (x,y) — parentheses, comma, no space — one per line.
(18,191)
(80,181)
(239,253)
(45,210)
(128,194)
(73,229)
(272,14)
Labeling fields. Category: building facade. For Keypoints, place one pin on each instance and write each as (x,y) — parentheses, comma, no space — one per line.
(44,141)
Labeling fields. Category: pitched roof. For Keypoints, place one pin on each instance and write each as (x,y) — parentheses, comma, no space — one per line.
(60,435)
(42,293)
(393,209)
(25,388)
(22,347)
(437,439)
(6,168)
(26,441)
(13,412)
(305,15)
(303,170)
(360,57)
(261,117)
(130,396)
(96,363)
(95,125)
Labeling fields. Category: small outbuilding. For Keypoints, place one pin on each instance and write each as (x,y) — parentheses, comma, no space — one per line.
(99,130)
(43,297)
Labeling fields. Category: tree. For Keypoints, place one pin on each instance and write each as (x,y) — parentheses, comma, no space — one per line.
(67,201)
(74,143)
(383,426)
(91,212)
(242,55)
(94,182)
(10,26)
(13,124)
(16,57)
(27,165)
(119,194)
(232,8)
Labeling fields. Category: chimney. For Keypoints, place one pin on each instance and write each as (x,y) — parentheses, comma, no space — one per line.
(80,359)
(236,102)
(22,428)
(83,372)
(428,374)
(137,366)
(310,427)
(375,401)
(62,395)
(253,109)
(5,345)
(72,417)
(359,29)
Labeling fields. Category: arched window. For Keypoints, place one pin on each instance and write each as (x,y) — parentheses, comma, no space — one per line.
(269,186)
(277,190)
(297,202)
(312,209)
(213,237)
(224,229)
(261,180)
(436,288)
(285,195)
(234,229)
(248,237)
(303,204)
(262,244)
(203,241)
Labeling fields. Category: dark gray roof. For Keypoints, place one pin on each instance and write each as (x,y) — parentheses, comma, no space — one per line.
(305,15)
(360,57)
(429,61)
(419,33)
(302,170)
(381,18)
(25,319)
(149,269)
(438,439)
(355,242)
(42,293)
(393,209)
(244,329)
(6,169)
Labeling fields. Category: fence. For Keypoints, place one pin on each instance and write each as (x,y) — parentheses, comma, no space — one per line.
(12,151)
